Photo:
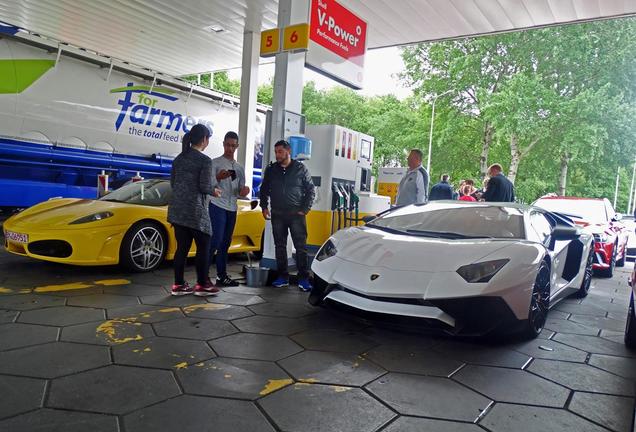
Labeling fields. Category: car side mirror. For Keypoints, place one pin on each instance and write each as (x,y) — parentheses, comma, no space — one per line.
(253,204)
(564,232)
(368,218)
(617,217)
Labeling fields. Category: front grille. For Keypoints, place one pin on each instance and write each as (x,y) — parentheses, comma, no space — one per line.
(51,248)
(409,301)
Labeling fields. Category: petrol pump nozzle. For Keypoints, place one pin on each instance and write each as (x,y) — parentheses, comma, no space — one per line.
(345,203)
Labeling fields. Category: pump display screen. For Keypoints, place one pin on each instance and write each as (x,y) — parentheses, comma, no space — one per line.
(365,149)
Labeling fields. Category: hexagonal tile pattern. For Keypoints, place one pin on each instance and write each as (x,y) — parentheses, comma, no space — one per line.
(113,389)
(594,345)
(52,359)
(162,352)
(334,340)
(506,418)
(551,350)
(24,302)
(514,386)
(197,414)
(271,325)
(249,290)
(483,354)
(57,420)
(145,313)
(217,311)
(614,412)
(235,299)
(135,290)
(233,378)
(171,301)
(566,326)
(20,395)
(582,377)
(111,332)
(622,366)
(413,424)
(20,335)
(62,316)
(332,368)
(7,316)
(409,359)
(103,301)
(599,322)
(283,310)
(350,409)
(425,396)
(255,346)
(194,328)
(287,296)
(405,337)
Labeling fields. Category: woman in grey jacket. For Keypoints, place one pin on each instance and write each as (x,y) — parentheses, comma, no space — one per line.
(191,180)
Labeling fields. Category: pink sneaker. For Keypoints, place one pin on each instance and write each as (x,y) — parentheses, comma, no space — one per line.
(179,290)
(206,289)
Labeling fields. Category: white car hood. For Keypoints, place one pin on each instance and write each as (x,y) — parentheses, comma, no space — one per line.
(376,248)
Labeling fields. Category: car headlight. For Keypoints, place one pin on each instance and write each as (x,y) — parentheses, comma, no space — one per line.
(481,272)
(327,250)
(92,218)
(601,238)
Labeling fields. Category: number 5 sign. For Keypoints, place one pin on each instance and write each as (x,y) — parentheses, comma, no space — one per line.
(270,42)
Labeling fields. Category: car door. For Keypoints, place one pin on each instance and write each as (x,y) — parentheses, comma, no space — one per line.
(557,249)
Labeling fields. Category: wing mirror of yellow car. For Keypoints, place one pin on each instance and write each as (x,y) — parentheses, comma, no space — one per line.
(253,204)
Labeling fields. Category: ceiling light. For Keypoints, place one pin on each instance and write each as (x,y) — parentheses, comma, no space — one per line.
(215,28)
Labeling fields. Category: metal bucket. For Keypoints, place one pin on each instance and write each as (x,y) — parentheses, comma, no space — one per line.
(256,276)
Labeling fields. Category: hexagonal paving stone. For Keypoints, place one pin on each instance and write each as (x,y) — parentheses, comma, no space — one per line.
(110,332)
(416,360)
(399,337)
(194,328)
(217,311)
(172,301)
(483,354)
(614,412)
(565,326)
(20,395)
(331,368)
(103,301)
(594,309)
(582,377)
(271,325)
(135,290)
(57,420)
(198,414)
(7,316)
(595,345)
(145,313)
(20,335)
(249,290)
(334,340)
(235,299)
(341,409)
(62,316)
(549,349)
(24,302)
(113,389)
(162,352)
(233,378)
(506,418)
(30,361)
(599,322)
(413,424)
(625,367)
(286,296)
(515,386)
(283,310)
(255,346)
(434,397)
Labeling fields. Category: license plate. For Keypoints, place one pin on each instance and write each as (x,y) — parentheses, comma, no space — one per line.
(16,237)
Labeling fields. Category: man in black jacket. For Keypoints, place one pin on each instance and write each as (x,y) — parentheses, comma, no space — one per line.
(287,183)
(499,188)
(442,190)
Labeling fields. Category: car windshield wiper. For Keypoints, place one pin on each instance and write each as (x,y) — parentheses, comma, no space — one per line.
(443,234)
(387,229)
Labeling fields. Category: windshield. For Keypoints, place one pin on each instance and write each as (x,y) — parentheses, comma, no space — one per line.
(454,221)
(588,210)
(148,192)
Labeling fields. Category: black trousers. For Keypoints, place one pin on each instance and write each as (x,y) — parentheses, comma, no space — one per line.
(297,226)
(184,237)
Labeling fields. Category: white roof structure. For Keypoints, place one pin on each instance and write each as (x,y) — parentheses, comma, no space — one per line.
(193,36)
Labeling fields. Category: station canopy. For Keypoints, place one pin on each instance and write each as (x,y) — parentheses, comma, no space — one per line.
(195,36)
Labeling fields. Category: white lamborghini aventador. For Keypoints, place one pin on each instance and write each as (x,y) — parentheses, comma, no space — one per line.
(469,268)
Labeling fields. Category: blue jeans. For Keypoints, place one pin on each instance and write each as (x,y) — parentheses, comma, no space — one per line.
(223,222)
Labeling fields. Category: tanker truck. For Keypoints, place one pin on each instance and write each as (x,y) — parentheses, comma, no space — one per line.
(68,115)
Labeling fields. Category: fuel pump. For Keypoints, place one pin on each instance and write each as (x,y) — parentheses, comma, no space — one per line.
(337,201)
(345,204)
(354,202)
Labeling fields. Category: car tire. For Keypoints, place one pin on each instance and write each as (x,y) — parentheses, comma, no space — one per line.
(144,247)
(621,262)
(318,292)
(539,303)
(630,327)
(587,278)
(609,272)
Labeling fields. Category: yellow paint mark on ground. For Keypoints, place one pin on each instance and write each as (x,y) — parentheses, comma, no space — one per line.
(355,365)
(182,365)
(5,290)
(199,364)
(308,380)
(340,389)
(135,350)
(204,306)
(25,291)
(301,385)
(62,287)
(273,385)
(227,376)
(109,329)
(147,350)
(112,282)
(169,310)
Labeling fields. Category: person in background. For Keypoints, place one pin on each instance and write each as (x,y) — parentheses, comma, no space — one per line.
(442,190)
(288,186)
(192,185)
(467,194)
(499,189)
(413,188)
(230,176)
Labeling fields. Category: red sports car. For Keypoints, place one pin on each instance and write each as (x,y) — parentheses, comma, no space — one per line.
(598,217)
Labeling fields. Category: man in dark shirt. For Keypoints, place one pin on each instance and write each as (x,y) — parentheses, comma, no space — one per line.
(499,188)
(442,190)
